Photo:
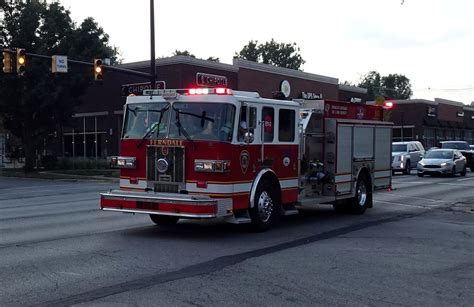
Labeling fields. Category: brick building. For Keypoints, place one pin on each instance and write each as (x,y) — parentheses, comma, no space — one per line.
(97,123)
(432,121)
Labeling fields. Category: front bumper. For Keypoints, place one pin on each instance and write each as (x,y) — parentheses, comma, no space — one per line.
(180,205)
(434,169)
(398,165)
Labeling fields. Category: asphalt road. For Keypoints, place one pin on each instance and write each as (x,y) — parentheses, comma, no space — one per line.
(415,247)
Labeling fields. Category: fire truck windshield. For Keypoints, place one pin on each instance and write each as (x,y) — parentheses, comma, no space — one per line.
(146,120)
(202,121)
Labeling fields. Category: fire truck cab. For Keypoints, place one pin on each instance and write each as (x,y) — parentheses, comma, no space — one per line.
(217,153)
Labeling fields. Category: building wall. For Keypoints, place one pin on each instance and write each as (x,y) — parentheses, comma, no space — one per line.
(97,122)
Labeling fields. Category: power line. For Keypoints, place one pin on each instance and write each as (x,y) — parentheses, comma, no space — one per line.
(445,89)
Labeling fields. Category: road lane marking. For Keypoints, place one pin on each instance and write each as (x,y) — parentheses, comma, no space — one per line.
(456,184)
(420,198)
(399,204)
(464,179)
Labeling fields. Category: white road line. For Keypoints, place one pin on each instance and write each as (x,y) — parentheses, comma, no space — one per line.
(457,184)
(415,182)
(464,179)
(420,198)
(399,204)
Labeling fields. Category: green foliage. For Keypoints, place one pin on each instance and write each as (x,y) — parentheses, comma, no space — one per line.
(277,54)
(65,163)
(185,53)
(213,59)
(393,86)
(35,105)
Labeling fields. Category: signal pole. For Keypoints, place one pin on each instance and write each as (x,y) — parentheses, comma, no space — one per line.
(152,43)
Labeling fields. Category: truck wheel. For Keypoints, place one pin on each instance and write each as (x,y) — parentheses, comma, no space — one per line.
(164,220)
(464,171)
(407,169)
(362,196)
(266,211)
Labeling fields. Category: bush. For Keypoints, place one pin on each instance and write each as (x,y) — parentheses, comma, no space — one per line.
(81,163)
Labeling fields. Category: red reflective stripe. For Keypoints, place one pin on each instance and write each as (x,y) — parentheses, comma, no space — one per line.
(175,208)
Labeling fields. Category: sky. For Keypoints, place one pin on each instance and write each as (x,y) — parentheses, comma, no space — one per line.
(429,41)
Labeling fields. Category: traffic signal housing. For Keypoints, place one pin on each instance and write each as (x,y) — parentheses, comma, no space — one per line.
(7,61)
(98,70)
(20,61)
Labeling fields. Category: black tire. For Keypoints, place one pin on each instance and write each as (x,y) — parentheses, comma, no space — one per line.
(363,196)
(420,174)
(164,220)
(407,169)
(266,210)
(464,171)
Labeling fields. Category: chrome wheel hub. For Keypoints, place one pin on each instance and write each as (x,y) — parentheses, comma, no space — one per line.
(265,206)
(361,193)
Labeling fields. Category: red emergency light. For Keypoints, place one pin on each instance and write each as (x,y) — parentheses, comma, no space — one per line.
(205,91)
(388,105)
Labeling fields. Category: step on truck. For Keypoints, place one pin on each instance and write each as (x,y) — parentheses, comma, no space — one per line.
(206,153)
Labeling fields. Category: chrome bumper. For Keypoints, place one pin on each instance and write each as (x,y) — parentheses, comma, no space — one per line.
(181,205)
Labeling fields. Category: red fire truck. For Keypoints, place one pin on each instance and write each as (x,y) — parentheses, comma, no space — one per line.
(208,153)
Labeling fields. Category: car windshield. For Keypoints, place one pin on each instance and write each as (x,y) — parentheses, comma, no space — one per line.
(202,121)
(459,145)
(399,147)
(146,118)
(439,154)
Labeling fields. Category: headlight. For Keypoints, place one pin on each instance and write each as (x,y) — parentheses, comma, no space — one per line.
(402,158)
(215,166)
(445,164)
(123,162)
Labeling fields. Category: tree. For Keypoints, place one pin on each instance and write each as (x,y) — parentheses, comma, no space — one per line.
(277,54)
(373,83)
(393,86)
(213,59)
(397,86)
(185,53)
(33,106)
(472,103)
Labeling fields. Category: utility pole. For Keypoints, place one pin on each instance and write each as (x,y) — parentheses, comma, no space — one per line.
(152,45)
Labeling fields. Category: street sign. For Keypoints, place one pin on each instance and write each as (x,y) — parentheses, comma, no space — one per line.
(59,64)
(138,88)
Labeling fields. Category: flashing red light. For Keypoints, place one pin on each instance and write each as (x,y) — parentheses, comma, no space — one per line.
(223,91)
(205,91)
(388,105)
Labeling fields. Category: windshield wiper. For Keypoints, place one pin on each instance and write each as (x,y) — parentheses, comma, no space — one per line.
(180,127)
(154,126)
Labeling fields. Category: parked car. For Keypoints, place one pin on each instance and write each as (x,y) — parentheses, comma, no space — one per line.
(442,161)
(472,147)
(405,155)
(464,148)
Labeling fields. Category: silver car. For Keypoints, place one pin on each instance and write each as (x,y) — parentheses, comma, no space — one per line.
(442,161)
(405,156)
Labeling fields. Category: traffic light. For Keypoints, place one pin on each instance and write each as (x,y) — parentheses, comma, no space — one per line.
(7,61)
(20,61)
(98,70)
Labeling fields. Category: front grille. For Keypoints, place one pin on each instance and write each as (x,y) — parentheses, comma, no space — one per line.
(432,166)
(168,181)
